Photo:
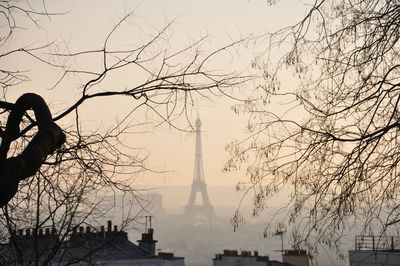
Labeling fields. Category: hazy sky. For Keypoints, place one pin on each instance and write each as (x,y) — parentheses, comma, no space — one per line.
(86,24)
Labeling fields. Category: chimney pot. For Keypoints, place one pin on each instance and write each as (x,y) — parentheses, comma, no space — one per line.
(102,228)
(88,229)
(81,229)
(115,228)
(109,226)
(28,232)
(47,231)
(40,231)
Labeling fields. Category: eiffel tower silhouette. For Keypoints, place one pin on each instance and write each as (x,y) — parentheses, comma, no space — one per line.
(195,208)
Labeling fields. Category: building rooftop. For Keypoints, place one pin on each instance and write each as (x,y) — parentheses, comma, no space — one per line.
(245,255)
(375,250)
(378,243)
(84,245)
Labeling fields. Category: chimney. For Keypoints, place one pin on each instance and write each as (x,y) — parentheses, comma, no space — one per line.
(296,257)
(28,232)
(148,243)
(88,229)
(47,231)
(109,226)
(115,228)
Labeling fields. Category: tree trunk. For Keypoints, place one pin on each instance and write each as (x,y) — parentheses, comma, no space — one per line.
(48,138)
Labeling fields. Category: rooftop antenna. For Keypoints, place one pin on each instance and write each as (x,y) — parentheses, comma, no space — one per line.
(280,233)
(150,222)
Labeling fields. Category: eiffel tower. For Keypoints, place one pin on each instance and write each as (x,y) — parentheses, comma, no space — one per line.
(194,208)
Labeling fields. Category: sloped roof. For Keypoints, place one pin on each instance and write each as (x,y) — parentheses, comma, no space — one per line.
(81,247)
(91,247)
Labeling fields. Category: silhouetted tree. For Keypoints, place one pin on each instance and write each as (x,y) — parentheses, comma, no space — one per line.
(63,176)
(326,123)
(48,138)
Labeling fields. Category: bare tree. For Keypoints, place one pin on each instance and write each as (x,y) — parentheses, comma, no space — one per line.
(69,181)
(332,140)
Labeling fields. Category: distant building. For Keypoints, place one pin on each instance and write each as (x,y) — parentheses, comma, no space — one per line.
(374,250)
(296,257)
(233,258)
(155,204)
(245,258)
(104,247)
(149,202)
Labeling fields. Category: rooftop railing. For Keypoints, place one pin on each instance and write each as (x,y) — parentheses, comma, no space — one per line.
(377,243)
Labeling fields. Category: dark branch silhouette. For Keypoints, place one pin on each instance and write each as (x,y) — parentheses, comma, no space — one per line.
(48,138)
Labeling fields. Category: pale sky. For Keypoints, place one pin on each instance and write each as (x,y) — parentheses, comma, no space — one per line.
(88,22)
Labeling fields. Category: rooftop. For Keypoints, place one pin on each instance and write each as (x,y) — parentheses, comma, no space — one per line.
(378,243)
(84,245)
